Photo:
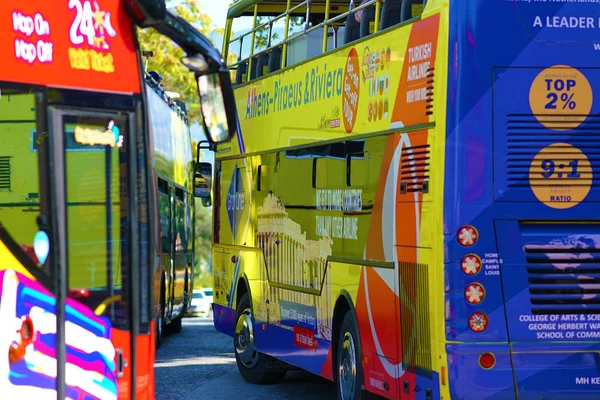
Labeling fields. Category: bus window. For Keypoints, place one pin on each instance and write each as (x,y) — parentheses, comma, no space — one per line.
(165,215)
(240,48)
(357,170)
(97,223)
(20,191)
(328,173)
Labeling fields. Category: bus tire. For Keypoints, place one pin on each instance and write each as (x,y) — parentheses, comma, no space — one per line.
(349,359)
(176,325)
(254,367)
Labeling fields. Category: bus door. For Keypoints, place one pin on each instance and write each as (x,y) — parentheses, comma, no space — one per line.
(71,306)
(94,152)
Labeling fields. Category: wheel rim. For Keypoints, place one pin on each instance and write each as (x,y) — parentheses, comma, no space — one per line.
(159,327)
(244,339)
(347,367)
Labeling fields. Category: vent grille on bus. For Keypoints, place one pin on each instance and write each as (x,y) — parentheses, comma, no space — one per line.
(429,96)
(526,137)
(5,172)
(564,278)
(414,169)
(414,318)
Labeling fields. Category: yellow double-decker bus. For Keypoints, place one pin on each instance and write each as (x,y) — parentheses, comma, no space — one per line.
(408,208)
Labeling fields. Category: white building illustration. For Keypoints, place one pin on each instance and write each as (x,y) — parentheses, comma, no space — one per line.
(293,261)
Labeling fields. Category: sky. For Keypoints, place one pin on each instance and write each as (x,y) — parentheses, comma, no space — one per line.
(216,9)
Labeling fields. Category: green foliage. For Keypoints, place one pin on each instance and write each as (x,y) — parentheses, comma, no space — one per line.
(203,231)
(167,55)
(261,38)
(203,279)
(203,244)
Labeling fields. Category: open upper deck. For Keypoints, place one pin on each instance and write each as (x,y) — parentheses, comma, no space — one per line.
(319,70)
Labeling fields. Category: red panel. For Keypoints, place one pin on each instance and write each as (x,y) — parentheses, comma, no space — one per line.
(304,338)
(145,364)
(77,44)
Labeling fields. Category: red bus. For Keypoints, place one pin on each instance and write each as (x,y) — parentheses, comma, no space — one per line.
(78,240)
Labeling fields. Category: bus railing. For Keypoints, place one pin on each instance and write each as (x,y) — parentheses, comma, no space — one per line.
(288,39)
(161,91)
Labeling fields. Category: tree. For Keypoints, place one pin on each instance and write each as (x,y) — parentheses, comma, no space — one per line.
(203,239)
(167,55)
(203,243)
(261,38)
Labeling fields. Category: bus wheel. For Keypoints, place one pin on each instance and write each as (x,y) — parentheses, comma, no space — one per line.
(254,366)
(176,325)
(349,373)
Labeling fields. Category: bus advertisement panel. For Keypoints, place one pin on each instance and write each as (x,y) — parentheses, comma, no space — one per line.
(412,213)
(93,41)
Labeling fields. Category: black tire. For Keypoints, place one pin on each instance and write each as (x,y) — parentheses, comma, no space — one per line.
(255,367)
(349,355)
(176,325)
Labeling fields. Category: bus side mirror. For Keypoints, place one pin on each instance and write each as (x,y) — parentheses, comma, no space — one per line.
(202,180)
(217,105)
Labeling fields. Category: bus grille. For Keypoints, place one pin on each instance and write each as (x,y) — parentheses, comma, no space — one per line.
(414,318)
(5,172)
(526,137)
(414,169)
(564,278)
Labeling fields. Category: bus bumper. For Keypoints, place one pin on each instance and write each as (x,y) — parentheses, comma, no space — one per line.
(541,371)
(224,319)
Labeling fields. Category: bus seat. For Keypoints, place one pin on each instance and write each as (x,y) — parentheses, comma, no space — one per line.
(352,29)
(411,9)
(390,13)
(253,73)
(275,59)
(367,22)
(242,71)
(262,65)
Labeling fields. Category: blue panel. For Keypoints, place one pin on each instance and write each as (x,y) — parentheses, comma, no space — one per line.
(496,50)
(468,381)
(562,372)
(224,319)
(279,342)
(495,34)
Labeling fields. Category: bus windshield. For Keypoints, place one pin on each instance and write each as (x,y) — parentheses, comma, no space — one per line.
(94,153)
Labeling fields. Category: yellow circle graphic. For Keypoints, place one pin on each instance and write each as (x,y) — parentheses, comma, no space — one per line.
(561,98)
(560,176)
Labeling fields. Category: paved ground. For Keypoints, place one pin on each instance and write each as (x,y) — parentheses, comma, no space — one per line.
(199,364)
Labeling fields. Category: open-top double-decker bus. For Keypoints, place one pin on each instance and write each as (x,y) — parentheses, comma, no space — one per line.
(410,206)
(173,175)
(79,241)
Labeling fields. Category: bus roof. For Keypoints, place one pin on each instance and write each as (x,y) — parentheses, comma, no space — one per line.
(244,7)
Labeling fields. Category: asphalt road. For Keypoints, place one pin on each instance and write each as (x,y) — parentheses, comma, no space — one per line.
(199,364)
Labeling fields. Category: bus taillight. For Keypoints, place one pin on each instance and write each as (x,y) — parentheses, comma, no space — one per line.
(467,235)
(487,361)
(471,264)
(478,322)
(79,294)
(474,293)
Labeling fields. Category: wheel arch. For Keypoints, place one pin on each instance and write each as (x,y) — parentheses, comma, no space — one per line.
(242,287)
